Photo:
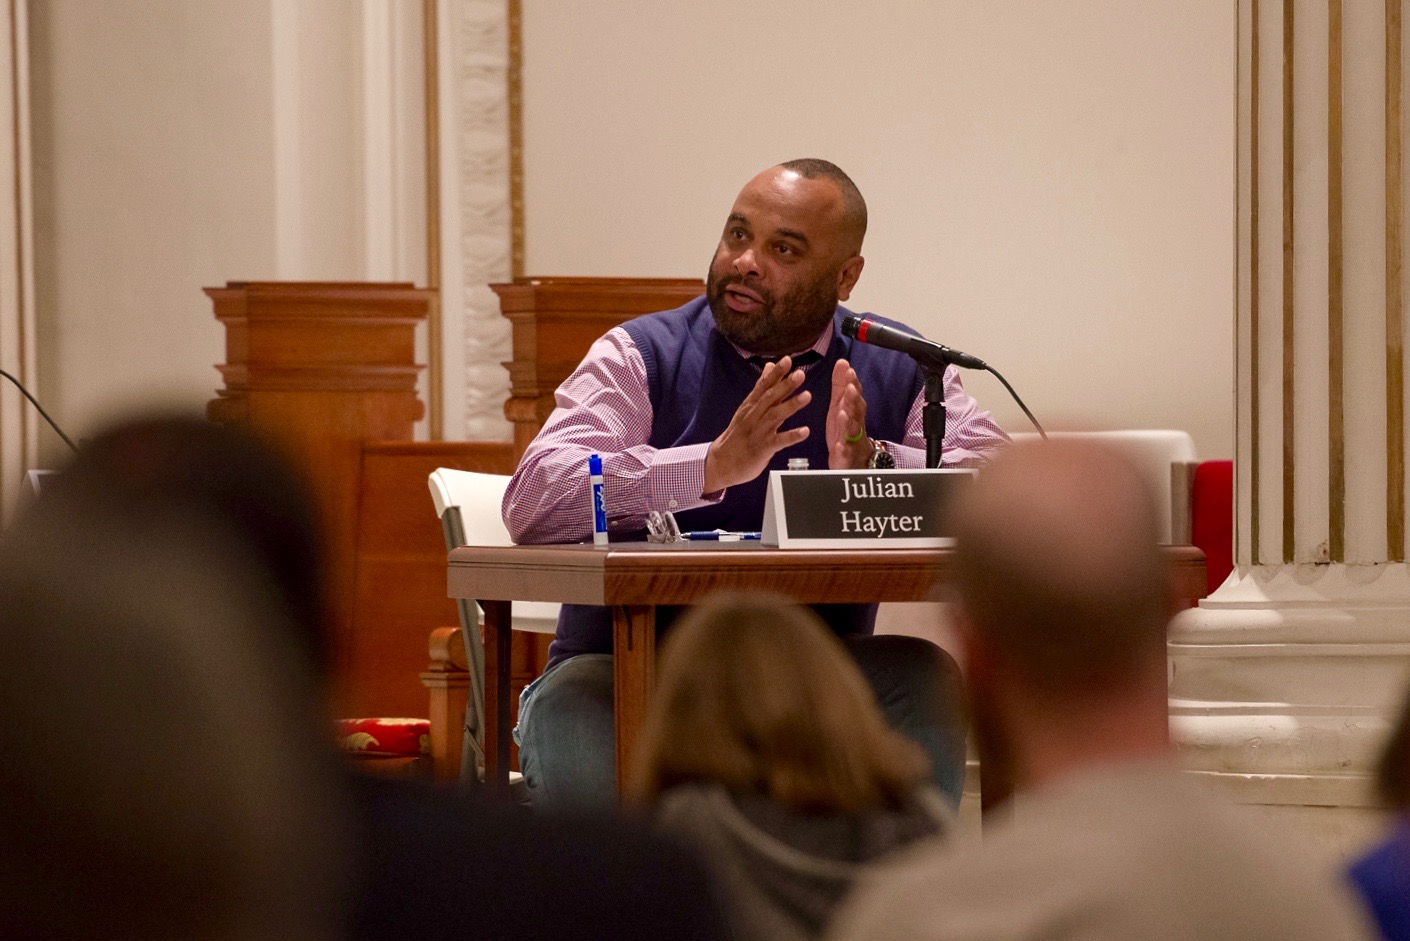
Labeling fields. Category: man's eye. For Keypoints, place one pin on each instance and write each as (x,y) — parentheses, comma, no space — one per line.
(784,250)
(737,234)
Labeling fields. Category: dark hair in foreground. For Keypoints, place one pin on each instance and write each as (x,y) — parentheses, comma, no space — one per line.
(754,693)
(165,771)
(229,481)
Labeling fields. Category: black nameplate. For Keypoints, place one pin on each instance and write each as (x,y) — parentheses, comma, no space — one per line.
(834,508)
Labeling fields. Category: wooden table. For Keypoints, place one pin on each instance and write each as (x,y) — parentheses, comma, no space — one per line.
(632,578)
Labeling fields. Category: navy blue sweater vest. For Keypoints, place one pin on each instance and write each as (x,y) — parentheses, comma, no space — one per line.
(696,380)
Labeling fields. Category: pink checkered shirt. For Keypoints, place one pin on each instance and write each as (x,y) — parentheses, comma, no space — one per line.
(604,407)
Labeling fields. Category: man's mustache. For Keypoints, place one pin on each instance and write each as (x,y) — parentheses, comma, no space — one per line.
(764,293)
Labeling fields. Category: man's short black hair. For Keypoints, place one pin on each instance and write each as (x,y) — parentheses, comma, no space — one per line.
(854,207)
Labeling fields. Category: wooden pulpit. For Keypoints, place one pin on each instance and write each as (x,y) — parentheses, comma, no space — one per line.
(321,368)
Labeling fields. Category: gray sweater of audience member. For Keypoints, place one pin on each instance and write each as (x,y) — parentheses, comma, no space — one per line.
(1134,850)
(783,872)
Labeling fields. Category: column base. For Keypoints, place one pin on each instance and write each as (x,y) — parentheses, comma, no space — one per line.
(1282,687)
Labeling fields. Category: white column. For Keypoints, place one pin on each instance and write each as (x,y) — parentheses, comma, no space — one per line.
(1282,680)
(19,424)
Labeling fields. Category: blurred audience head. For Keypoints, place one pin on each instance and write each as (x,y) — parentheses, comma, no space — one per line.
(754,693)
(229,481)
(166,769)
(1063,598)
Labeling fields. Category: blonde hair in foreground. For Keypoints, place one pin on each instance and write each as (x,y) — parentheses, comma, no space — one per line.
(757,695)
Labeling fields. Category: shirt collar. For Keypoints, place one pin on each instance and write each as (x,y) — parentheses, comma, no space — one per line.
(820,346)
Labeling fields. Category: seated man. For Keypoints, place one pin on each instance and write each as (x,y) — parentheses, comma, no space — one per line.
(1063,603)
(689,409)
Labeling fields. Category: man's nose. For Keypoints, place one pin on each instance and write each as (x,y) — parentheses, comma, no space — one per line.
(745,263)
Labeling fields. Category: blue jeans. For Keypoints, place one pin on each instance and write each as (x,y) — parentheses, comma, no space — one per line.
(565,731)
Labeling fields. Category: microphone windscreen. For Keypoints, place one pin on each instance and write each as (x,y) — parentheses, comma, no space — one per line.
(850,324)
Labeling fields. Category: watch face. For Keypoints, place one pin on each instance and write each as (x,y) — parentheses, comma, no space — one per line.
(881,459)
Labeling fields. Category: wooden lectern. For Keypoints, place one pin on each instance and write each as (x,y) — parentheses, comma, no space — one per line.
(322,368)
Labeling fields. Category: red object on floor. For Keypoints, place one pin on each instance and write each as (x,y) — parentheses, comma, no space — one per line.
(1212,518)
(409,738)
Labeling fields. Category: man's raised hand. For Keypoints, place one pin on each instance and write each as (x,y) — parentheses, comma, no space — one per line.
(847,417)
(742,451)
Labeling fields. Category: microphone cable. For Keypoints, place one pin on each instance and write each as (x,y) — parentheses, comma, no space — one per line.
(35,402)
(999,376)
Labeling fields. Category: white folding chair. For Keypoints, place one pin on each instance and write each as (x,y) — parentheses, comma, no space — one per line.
(468,505)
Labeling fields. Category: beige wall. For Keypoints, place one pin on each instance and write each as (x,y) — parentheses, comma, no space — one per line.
(185,143)
(1050,181)
(153,172)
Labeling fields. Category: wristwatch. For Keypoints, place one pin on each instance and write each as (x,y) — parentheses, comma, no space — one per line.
(881,459)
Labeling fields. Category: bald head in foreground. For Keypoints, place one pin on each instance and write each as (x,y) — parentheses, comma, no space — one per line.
(1062,607)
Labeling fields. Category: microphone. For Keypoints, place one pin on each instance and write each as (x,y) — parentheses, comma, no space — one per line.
(927,352)
(35,402)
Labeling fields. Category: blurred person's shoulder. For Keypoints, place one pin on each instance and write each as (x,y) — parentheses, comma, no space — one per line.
(438,862)
(1108,854)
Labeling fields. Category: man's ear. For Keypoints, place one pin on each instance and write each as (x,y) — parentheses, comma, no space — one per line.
(847,277)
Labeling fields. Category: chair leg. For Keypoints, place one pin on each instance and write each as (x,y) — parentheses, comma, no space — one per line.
(498,675)
(472,756)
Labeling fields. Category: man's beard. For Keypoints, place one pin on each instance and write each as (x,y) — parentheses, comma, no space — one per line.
(782,325)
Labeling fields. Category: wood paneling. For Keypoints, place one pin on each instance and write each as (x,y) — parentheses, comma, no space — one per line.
(321,368)
(328,370)
(399,593)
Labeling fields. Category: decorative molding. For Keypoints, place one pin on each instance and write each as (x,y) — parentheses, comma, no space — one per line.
(480,247)
(1281,680)
(19,429)
(1336,416)
(1289,348)
(1255,509)
(516,135)
(1395,345)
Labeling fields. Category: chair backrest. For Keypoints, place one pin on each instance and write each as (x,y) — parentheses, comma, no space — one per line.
(468,504)
(1153,451)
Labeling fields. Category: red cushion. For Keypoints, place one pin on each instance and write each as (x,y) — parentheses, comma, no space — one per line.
(406,737)
(1212,518)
